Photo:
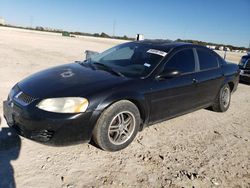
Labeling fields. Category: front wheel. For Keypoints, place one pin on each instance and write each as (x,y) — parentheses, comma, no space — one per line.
(117,126)
(223,99)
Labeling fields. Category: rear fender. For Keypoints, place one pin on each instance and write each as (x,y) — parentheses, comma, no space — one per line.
(231,74)
(233,81)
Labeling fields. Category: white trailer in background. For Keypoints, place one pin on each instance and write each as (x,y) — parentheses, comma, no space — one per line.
(211,47)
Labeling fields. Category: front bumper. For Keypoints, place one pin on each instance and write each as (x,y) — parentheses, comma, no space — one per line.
(244,75)
(50,128)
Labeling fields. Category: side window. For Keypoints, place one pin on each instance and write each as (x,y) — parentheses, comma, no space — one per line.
(207,60)
(182,61)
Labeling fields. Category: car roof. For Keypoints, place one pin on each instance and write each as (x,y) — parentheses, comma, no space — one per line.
(164,44)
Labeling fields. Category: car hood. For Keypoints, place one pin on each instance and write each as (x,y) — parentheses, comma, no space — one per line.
(67,81)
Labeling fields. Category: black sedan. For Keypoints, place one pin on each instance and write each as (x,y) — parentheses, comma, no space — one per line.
(244,66)
(113,95)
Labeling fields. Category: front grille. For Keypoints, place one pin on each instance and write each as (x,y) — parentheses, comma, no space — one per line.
(247,66)
(42,135)
(23,98)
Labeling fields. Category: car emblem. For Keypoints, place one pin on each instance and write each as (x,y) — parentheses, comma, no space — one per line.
(11,104)
(67,73)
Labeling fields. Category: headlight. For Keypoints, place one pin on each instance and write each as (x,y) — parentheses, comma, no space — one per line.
(11,94)
(64,105)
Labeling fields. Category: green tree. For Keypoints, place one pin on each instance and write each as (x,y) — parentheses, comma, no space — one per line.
(104,35)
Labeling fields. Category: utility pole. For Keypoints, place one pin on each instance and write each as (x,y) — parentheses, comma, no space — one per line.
(114,25)
(31,21)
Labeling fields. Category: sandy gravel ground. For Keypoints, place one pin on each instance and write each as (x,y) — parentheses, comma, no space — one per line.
(201,149)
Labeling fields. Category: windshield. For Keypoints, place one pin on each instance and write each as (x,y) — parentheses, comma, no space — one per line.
(130,59)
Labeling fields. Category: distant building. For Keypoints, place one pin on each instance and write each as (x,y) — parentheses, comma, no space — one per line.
(2,21)
(238,51)
(223,48)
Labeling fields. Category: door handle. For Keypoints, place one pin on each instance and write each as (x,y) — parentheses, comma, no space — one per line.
(195,81)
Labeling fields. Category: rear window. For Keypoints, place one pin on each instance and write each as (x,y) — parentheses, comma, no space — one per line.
(207,60)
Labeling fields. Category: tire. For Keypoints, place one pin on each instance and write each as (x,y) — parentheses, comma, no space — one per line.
(222,101)
(117,126)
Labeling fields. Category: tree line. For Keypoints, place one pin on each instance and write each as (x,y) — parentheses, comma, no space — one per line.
(105,35)
(202,43)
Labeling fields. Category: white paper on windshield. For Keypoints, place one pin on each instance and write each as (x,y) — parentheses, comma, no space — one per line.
(147,65)
(157,52)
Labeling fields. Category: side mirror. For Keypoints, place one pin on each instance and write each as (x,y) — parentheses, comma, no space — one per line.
(168,74)
(89,54)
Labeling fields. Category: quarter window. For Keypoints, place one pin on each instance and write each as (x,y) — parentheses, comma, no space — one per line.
(207,60)
(182,61)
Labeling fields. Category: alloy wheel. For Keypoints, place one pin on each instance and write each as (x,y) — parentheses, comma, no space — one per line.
(121,128)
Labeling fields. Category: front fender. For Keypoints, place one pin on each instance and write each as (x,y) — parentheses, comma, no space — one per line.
(138,99)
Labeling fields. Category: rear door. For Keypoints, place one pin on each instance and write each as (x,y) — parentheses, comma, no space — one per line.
(209,76)
(173,96)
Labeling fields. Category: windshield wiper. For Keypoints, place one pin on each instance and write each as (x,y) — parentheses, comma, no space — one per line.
(88,65)
(109,69)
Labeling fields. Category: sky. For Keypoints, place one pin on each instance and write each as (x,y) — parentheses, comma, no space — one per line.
(218,21)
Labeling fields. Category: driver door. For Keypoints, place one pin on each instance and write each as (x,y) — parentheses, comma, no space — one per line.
(174,96)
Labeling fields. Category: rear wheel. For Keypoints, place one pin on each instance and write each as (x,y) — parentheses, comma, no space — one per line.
(223,100)
(117,126)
